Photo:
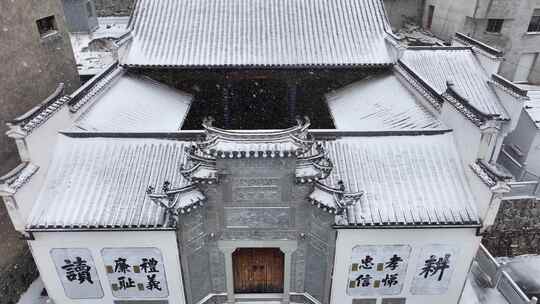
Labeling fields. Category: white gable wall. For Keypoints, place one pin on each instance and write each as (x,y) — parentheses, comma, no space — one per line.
(489,62)
(464,240)
(41,143)
(533,159)
(96,241)
(467,135)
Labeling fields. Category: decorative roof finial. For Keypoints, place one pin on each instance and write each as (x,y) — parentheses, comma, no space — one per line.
(341,185)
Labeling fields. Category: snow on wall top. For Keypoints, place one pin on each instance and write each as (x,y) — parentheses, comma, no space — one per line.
(406,180)
(379,103)
(135,103)
(460,66)
(102,182)
(256,33)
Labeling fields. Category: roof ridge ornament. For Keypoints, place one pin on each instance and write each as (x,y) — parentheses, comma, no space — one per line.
(223,143)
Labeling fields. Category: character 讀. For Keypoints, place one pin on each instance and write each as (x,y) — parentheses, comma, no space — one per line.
(78,270)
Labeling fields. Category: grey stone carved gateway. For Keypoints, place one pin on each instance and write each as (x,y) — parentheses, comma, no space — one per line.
(257,188)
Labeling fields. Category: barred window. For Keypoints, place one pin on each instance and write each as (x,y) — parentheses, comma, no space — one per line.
(534,25)
(494,25)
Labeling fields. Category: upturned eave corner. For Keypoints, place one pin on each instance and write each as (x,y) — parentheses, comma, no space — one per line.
(176,201)
(334,200)
(314,166)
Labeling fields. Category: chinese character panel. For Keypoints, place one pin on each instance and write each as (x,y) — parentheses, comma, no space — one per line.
(378,270)
(135,272)
(77,272)
(434,269)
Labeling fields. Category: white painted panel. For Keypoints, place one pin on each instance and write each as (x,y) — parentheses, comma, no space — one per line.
(135,272)
(77,272)
(378,270)
(434,269)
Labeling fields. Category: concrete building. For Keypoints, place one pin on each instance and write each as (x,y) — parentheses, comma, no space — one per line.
(122,201)
(108,8)
(512,26)
(36,56)
(401,11)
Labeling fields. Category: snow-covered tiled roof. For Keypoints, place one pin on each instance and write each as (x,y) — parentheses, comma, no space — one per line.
(101,183)
(407,180)
(258,33)
(136,103)
(532,106)
(439,66)
(109,182)
(379,103)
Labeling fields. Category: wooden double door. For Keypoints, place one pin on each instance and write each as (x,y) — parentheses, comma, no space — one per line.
(258,270)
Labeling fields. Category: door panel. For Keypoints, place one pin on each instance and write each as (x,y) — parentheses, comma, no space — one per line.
(258,270)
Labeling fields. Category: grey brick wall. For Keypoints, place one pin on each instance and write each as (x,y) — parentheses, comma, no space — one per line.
(516,230)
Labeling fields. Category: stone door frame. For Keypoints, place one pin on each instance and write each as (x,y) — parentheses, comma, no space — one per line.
(228,247)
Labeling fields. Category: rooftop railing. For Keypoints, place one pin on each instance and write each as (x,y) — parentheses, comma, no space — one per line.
(500,279)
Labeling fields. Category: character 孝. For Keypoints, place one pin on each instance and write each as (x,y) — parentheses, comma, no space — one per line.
(78,270)
(393,263)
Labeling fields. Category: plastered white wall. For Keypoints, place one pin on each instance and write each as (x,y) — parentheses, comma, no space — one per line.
(41,141)
(490,63)
(512,105)
(95,241)
(41,144)
(466,134)
(465,239)
(523,136)
(533,159)
(481,192)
